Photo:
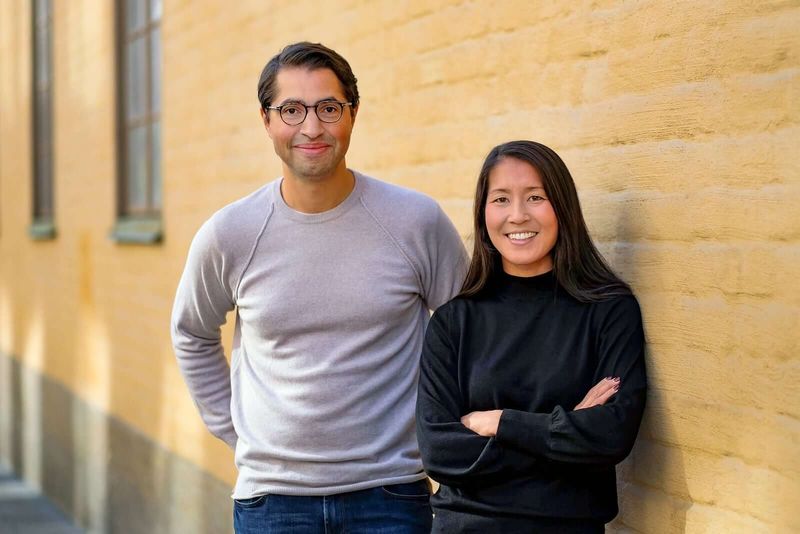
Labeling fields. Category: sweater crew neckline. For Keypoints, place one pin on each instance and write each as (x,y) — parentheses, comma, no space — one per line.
(313,218)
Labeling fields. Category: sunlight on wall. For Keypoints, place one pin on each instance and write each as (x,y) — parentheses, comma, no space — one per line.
(32,427)
(32,354)
(91,475)
(6,325)
(95,343)
(6,410)
(6,399)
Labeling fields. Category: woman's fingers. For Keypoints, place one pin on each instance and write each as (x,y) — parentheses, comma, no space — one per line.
(600,393)
(603,397)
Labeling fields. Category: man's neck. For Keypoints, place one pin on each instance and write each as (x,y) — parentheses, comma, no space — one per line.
(318,194)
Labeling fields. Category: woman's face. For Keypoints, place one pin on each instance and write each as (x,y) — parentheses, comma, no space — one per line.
(520,219)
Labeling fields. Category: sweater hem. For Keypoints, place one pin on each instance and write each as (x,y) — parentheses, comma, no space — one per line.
(254,489)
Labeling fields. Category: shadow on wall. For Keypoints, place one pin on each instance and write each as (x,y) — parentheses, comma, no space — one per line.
(97,469)
(644,506)
(106,475)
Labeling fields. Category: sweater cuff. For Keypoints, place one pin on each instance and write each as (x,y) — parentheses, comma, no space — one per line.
(524,430)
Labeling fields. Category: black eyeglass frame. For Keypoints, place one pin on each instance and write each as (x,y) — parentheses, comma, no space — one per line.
(316,106)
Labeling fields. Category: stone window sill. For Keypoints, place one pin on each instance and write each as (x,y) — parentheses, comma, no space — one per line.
(138,231)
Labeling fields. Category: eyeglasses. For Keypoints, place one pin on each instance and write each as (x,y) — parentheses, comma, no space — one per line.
(295,113)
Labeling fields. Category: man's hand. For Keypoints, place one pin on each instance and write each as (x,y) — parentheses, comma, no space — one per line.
(483,423)
(600,393)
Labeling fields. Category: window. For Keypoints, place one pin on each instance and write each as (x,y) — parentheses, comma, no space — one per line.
(42,227)
(139,189)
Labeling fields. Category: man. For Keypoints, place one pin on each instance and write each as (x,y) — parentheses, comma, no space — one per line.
(332,275)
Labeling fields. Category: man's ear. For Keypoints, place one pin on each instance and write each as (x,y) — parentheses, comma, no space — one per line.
(265,120)
(354,113)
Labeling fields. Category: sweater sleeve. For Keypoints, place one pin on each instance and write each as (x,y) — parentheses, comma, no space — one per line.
(452,454)
(601,435)
(446,262)
(203,299)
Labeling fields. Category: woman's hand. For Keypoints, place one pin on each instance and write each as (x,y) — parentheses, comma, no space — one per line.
(600,393)
(483,423)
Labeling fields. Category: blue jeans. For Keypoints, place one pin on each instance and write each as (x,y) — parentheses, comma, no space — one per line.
(395,509)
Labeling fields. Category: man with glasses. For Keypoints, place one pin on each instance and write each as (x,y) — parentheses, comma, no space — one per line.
(332,275)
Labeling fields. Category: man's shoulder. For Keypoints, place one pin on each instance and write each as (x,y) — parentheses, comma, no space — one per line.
(232,228)
(245,212)
(387,199)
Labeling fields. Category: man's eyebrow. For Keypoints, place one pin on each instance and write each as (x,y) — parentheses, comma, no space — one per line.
(298,101)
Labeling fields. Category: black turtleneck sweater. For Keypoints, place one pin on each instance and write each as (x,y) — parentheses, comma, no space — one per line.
(528,348)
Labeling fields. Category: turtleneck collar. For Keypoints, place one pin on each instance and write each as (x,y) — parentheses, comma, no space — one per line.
(508,285)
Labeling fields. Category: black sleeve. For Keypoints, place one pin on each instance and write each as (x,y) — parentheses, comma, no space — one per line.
(451,453)
(601,435)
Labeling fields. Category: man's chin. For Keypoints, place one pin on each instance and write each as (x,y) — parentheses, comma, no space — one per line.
(313,176)
(313,173)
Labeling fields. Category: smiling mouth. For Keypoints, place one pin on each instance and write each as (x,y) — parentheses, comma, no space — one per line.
(521,236)
(312,148)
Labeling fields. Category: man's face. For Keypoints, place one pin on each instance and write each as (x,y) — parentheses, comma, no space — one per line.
(312,150)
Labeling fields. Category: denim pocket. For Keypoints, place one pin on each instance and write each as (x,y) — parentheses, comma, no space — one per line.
(417,491)
(250,502)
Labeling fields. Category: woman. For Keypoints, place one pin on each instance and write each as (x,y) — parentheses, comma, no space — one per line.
(532,382)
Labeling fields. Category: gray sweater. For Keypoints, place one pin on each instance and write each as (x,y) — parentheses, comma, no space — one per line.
(330,315)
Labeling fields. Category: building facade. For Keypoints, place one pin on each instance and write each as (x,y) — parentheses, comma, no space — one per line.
(125,124)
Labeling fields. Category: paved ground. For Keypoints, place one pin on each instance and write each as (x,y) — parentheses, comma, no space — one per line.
(24,511)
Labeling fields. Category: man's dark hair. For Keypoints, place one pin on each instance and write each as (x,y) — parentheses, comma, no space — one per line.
(311,56)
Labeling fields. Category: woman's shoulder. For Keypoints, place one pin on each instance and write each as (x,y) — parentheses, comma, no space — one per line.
(627,301)
(457,308)
(620,309)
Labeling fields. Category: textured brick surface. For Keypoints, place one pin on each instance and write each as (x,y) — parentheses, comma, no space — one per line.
(678,121)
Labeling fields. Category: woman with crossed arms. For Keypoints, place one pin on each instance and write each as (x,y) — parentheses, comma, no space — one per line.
(532,381)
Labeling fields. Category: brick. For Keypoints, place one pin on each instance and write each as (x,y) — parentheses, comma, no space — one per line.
(648,510)
(724,482)
(727,214)
(708,268)
(755,436)
(754,328)
(768,384)
(744,161)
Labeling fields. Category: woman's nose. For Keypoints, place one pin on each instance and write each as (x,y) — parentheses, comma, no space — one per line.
(519,212)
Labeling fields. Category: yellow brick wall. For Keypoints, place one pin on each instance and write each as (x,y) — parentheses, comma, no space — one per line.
(679,121)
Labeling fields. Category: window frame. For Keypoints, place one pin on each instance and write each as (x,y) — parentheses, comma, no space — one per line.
(138,224)
(42,225)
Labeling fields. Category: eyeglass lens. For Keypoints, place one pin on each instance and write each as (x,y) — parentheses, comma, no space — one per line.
(293,114)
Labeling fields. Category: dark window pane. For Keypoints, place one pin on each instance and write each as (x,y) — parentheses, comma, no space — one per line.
(155,72)
(44,160)
(42,112)
(135,14)
(136,81)
(43,9)
(42,184)
(137,169)
(42,55)
(142,106)
(155,172)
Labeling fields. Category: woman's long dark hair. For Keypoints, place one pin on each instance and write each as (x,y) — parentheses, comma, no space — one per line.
(577,264)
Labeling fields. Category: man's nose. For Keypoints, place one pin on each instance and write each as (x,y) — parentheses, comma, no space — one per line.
(312,126)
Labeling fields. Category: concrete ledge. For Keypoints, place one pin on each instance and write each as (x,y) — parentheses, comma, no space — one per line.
(134,231)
